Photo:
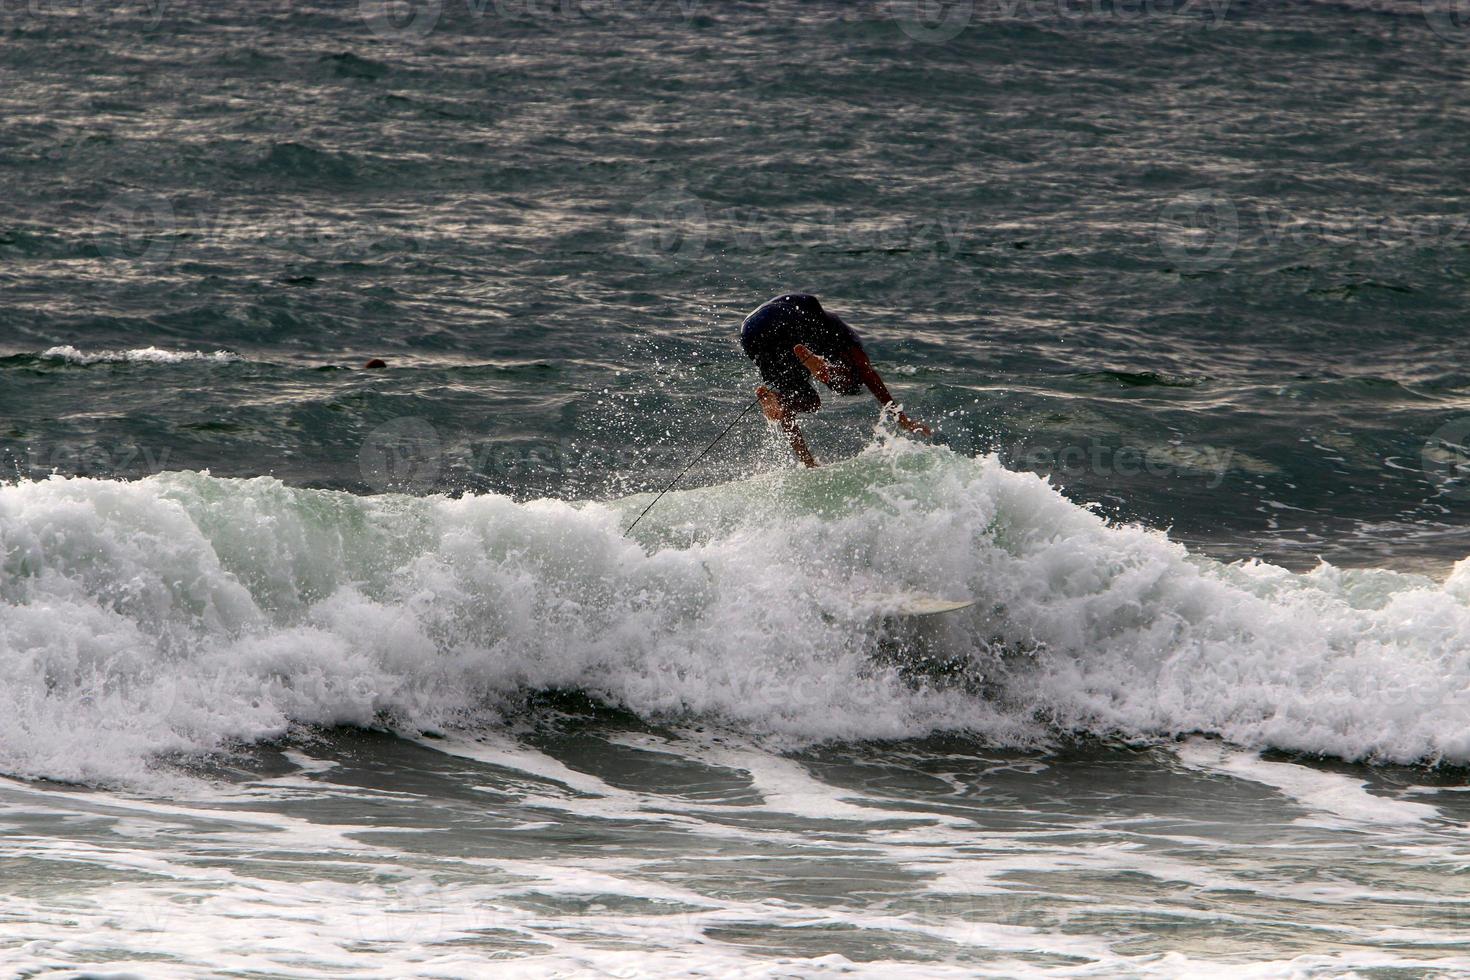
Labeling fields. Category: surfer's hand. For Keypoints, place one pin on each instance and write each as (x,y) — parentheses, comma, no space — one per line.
(914,426)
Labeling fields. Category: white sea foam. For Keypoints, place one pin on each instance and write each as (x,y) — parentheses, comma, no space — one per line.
(182,613)
(1333,800)
(141,355)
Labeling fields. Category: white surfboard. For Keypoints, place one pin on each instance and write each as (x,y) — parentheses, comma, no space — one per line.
(908,604)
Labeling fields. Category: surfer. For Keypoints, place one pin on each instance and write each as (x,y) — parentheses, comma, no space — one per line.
(792,340)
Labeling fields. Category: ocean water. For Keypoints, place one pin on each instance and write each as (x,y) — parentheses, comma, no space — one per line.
(310,670)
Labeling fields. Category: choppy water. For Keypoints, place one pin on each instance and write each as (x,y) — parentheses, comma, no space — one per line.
(308,670)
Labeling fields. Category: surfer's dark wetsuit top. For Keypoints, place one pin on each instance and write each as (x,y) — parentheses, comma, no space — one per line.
(769,334)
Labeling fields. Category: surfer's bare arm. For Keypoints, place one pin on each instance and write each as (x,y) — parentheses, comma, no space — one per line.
(779,412)
(857,359)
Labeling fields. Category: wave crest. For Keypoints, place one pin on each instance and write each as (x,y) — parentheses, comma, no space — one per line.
(183,613)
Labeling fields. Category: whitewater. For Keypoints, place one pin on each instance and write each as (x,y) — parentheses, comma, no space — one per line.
(310,669)
(185,615)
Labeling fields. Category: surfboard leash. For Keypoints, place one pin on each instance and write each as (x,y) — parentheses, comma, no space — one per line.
(713,443)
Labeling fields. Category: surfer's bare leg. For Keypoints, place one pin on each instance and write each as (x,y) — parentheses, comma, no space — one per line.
(777,411)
